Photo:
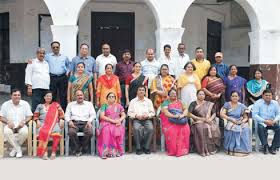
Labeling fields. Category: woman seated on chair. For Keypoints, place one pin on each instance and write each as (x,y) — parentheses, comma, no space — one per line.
(175,125)
(205,130)
(49,117)
(111,132)
(237,133)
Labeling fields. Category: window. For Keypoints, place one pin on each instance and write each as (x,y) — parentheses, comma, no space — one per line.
(4,38)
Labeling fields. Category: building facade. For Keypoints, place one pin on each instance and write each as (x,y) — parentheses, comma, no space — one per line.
(247,31)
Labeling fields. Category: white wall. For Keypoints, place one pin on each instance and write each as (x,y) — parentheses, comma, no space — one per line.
(145,24)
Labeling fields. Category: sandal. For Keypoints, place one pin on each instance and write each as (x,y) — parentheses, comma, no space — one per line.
(53,156)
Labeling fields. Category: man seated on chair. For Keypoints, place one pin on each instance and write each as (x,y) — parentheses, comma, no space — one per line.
(80,114)
(266,112)
(141,110)
(15,113)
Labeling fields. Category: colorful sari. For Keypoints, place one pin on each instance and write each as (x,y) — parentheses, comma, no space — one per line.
(105,85)
(189,85)
(161,84)
(80,83)
(177,137)
(110,137)
(206,136)
(215,86)
(237,138)
(134,83)
(54,113)
(255,89)
(236,84)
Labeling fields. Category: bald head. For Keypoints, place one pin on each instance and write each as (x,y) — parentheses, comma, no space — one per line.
(150,54)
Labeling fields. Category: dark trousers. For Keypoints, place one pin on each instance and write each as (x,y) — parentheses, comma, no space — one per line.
(262,131)
(123,99)
(58,86)
(37,97)
(80,127)
(141,127)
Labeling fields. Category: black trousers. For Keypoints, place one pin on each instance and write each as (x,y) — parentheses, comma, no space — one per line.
(262,131)
(37,97)
(58,86)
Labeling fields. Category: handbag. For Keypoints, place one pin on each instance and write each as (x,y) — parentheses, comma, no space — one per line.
(176,120)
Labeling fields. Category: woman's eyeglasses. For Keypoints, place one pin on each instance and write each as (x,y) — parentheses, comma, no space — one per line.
(111,96)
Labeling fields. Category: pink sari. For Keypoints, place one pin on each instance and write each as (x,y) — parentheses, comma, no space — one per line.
(110,137)
(177,137)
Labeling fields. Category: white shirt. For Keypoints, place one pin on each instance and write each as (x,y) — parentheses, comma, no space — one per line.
(141,107)
(181,62)
(171,62)
(15,113)
(150,69)
(80,112)
(37,74)
(101,62)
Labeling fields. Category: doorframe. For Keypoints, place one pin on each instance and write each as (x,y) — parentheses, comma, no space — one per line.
(132,28)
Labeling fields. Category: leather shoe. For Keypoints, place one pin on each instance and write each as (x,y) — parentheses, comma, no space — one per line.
(265,149)
(272,150)
(139,151)
(147,151)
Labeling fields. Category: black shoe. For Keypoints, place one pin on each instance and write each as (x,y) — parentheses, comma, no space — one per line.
(139,151)
(272,150)
(265,149)
(147,151)
(78,154)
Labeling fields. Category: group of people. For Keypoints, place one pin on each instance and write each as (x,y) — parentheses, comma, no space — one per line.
(194,101)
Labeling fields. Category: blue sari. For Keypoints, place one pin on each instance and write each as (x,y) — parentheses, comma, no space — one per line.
(237,138)
(236,84)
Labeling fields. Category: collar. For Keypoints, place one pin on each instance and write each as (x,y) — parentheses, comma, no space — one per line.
(109,56)
(55,54)
(19,104)
(37,60)
(129,62)
(76,102)
(138,99)
(81,57)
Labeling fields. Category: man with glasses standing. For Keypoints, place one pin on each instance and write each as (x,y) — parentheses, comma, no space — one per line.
(59,70)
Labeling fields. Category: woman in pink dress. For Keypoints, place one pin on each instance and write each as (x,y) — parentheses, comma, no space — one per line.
(111,130)
(175,125)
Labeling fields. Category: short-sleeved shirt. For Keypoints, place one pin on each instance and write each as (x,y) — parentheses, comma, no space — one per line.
(16,113)
(90,64)
(102,61)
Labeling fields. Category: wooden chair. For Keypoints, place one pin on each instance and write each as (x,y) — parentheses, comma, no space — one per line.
(80,134)
(29,139)
(97,126)
(130,134)
(35,141)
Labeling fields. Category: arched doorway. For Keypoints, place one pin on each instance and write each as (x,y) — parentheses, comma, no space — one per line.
(123,25)
(221,26)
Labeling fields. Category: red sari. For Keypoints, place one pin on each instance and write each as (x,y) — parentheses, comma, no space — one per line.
(45,132)
(177,137)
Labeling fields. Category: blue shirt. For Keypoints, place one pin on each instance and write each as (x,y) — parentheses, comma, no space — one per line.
(58,64)
(222,70)
(263,111)
(90,64)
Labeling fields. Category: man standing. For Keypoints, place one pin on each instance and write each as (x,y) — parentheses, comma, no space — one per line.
(80,114)
(16,113)
(222,69)
(150,66)
(166,59)
(182,59)
(105,58)
(37,78)
(142,111)
(123,70)
(202,65)
(266,112)
(59,69)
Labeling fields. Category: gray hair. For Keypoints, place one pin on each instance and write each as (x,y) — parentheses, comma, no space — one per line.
(40,49)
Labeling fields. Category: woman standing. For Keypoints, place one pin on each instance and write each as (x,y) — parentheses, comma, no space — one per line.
(205,131)
(133,81)
(237,133)
(107,83)
(188,84)
(214,89)
(111,131)
(80,81)
(256,86)
(234,83)
(175,126)
(161,85)
(49,118)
